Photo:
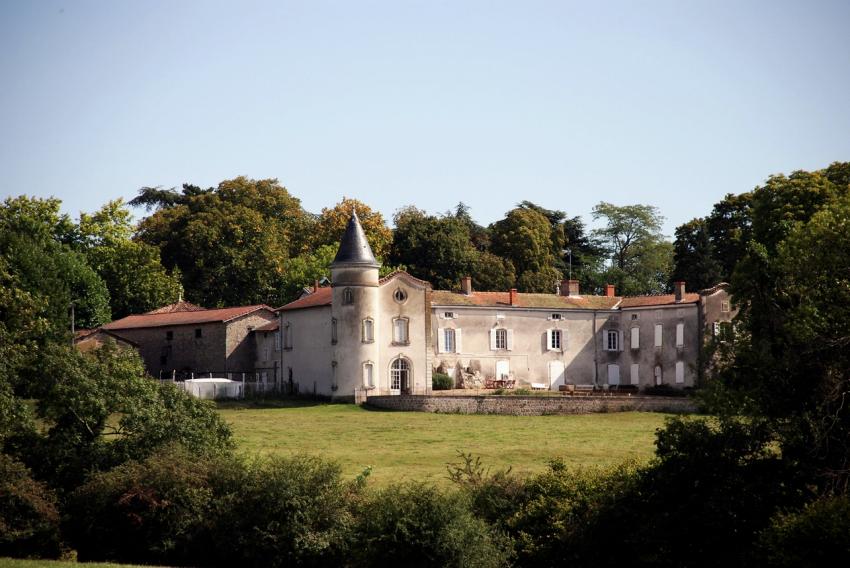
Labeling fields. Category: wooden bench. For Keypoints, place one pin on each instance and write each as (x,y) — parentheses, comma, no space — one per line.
(585,390)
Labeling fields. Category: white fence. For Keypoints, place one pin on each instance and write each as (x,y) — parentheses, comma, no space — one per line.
(212,388)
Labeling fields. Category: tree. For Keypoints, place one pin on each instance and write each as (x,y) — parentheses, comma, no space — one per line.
(131,270)
(729,229)
(332,222)
(436,249)
(231,244)
(641,259)
(491,272)
(305,269)
(694,256)
(32,241)
(524,237)
(479,235)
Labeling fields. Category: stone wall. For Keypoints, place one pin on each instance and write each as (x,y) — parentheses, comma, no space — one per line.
(532,405)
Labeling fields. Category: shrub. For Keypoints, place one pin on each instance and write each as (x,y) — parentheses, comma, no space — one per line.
(416,525)
(441,381)
(282,512)
(818,535)
(143,512)
(29,519)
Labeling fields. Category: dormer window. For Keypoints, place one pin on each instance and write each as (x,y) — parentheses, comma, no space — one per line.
(448,315)
(555,317)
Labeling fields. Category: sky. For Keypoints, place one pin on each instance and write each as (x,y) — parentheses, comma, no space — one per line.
(566,104)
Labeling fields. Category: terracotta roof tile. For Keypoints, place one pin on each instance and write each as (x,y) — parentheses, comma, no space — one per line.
(321,297)
(180,306)
(184,317)
(503,299)
(660,300)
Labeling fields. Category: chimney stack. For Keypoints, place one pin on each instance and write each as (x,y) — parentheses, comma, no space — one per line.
(609,290)
(679,289)
(466,285)
(569,288)
(514,297)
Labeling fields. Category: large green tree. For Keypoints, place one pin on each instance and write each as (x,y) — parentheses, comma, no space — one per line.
(230,243)
(694,256)
(641,259)
(524,237)
(331,223)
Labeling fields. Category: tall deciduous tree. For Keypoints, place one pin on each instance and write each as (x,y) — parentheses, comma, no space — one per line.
(729,229)
(524,237)
(641,260)
(232,243)
(331,225)
(694,256)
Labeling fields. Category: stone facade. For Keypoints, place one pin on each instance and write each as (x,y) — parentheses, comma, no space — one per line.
(532,405)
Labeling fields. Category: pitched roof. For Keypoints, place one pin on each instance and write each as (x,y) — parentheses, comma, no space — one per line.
(84,334)
(354,247)
(184,317)
(181,306)
(321,297)
(403,274)
(660,300)
(503,299)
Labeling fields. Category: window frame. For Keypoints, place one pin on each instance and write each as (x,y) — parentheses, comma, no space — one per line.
(501,340)
(347,296)
(449,340)
(555,343)
(405,340)
(367,330)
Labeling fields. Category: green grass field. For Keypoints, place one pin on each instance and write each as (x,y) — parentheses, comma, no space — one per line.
(418,445)
(15,563)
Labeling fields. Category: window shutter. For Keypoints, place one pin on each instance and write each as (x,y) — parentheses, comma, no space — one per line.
(635,338)
(680,372)
(680,334)
(563,340)
(441,340)
(458,348)
(510,339)
(549,340)
(658,331)
(492,340)
(619,341)
(635,378)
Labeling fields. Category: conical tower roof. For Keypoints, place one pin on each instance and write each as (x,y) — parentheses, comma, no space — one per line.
(354,249)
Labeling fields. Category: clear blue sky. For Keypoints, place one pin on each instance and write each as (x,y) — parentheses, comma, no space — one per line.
(429,103)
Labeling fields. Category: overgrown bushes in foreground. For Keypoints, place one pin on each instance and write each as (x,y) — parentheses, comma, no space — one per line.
(717,494)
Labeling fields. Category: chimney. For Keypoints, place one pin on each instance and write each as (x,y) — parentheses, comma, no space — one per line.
(569,288)
(679,289)
(466,285)
(609,290)
(514,297)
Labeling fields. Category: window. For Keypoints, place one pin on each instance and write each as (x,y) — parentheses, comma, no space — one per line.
(680,372)
(612,340)
(199,333)
(659,377)
(555,317)
(368,330)
(169,335)
(449,340)
(554,340)
(400,331)
(501,339)
(369,375)
(287,336)
(635,317)
(277,341)
(635,374)
(400,296)
(448,315)
(333,331)
(635,338)
(724,307)
(347,296)
(399,374)
(613,374)
(658,332)
(680,335)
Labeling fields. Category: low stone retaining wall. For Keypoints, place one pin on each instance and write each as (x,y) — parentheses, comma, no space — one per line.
(532,405)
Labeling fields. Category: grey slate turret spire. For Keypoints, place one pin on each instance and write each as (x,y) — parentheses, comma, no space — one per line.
(354,249)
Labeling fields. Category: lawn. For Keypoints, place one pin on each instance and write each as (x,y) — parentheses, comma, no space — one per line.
(15,563)
(418,445)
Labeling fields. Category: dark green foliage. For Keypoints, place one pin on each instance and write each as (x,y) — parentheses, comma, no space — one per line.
(417,525)
(29,517)
(694,257)
(436,249)
(441,381)
(816,536)
(524,237)
(155,511)
(492,273)
(281,512)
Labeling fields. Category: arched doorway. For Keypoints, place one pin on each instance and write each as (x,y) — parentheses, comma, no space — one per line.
(400,376)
